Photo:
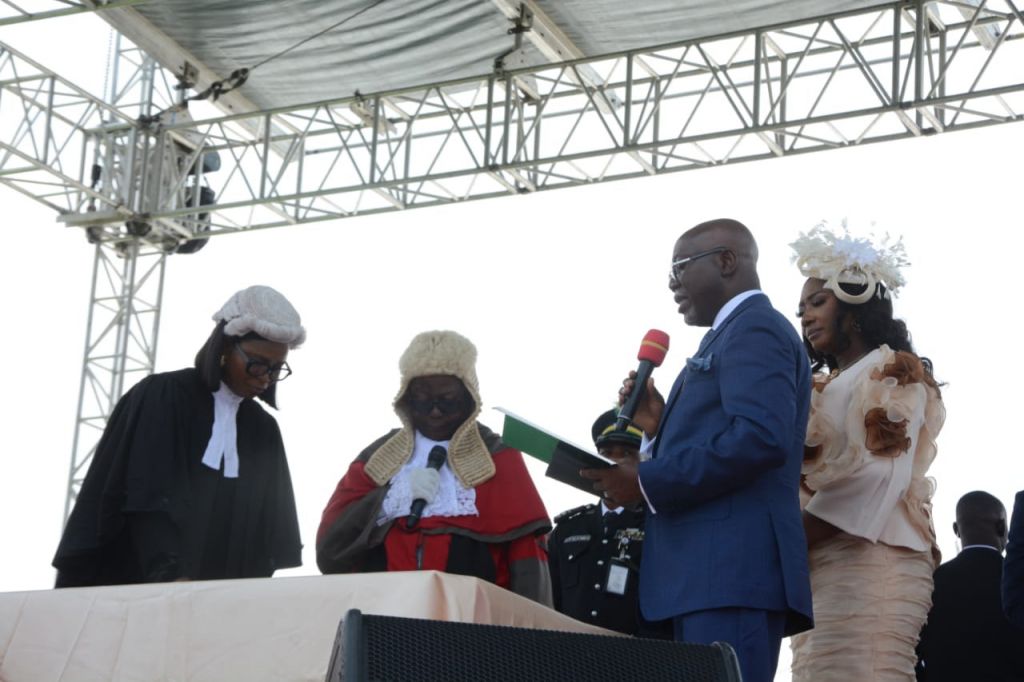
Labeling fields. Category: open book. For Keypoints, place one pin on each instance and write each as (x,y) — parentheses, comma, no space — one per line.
(564,459)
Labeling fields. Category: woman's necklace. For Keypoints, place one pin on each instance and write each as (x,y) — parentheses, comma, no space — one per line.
(839,370)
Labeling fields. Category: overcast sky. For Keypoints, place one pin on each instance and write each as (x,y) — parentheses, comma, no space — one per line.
(555,289)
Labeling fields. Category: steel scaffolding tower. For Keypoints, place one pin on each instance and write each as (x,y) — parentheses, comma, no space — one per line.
(127,281)
(148,183)
(128,275)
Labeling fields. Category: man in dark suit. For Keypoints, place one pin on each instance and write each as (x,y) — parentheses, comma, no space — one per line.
(725,553)
(966,636)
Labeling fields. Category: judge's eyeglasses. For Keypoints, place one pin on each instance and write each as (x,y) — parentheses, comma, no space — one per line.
(446,406)
(260,369)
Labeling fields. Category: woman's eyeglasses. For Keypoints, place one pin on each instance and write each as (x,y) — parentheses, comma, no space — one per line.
(260,369)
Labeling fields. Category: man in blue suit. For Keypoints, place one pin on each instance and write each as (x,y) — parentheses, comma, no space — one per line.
(725,553)
(1013,566)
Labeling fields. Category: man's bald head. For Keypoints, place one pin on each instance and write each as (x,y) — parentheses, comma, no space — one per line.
(729,233)
(980,520)
(712,263)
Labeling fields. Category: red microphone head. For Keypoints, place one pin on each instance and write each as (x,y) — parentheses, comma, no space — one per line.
(653,347)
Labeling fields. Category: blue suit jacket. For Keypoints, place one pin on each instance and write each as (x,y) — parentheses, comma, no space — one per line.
(725,474)
(1013,566)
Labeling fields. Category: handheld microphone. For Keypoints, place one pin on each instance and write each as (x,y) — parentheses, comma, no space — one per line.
(435,460)
(651,354)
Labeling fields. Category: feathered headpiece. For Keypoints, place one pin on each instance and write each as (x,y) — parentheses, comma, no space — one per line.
(845,259)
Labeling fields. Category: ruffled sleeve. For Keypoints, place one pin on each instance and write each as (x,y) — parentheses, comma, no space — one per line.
(823,444)
(873,455)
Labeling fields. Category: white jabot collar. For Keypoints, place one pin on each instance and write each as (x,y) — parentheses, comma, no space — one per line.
(223,443)
(732,304)
(452,499)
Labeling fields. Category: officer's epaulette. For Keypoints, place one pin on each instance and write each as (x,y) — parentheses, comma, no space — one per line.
(574,512)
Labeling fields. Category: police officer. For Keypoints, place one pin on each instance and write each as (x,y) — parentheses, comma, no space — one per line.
(594,552)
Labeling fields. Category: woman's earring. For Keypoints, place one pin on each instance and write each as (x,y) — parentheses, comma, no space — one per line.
(222,361)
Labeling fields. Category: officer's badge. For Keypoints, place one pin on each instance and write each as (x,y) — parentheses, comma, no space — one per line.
(630,534)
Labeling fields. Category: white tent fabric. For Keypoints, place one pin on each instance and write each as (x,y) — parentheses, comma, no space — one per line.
(404,43)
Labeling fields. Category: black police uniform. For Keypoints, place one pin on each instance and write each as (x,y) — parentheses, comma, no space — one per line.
(594,561)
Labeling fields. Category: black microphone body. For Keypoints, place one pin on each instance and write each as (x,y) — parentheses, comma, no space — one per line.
(435,460)
(628,409)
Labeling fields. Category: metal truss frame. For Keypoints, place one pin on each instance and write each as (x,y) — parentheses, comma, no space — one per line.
(120,344)
(131,170)
(128,276)
(12,12)
(897,70)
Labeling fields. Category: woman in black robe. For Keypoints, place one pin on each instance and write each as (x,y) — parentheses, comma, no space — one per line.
(190,480)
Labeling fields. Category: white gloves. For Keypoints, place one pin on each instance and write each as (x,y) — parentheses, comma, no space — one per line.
(424,484)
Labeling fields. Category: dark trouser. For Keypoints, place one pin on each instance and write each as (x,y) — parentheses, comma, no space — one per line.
(755,635)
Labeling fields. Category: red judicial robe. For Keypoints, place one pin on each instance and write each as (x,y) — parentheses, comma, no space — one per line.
(503,544)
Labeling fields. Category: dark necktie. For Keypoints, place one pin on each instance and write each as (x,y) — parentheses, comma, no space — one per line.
(705,341)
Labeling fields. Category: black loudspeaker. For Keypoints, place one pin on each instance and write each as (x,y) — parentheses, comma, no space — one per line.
(199,222)
(378,648)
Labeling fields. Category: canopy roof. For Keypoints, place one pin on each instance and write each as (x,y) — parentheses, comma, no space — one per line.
(389,44)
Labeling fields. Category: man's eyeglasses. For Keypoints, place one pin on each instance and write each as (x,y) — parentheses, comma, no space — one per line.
(678,266)
(260,369)
(446,406)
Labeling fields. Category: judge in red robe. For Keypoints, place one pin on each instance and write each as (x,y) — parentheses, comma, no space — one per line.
(483,516)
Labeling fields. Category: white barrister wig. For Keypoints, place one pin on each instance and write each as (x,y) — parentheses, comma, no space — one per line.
(265,311)
(844,259)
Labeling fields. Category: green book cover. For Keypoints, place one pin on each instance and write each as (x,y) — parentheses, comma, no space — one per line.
(531,439)
(564,459)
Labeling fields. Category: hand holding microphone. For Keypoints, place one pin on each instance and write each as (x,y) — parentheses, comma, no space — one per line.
(424,484)
(642,404)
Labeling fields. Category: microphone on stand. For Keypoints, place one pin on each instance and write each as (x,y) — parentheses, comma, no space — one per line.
(435,460)
(651,354)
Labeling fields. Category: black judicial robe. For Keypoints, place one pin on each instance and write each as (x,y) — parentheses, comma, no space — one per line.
(150,511)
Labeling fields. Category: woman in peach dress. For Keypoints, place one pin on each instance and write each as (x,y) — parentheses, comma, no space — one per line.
(870,440)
